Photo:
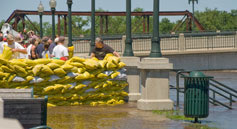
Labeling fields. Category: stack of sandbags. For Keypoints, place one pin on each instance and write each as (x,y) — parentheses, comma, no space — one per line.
(73,82)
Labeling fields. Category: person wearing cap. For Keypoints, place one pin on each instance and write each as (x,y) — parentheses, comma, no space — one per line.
(19,40)
(102,49)
(16,48)
(40,47)
(52,45)
(60,51)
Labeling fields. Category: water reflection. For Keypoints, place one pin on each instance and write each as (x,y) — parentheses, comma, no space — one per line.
(119,117)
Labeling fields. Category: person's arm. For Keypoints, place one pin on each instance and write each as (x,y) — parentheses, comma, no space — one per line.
(111,50)
(116,54)
(33,54)
(19,50)
(92,55)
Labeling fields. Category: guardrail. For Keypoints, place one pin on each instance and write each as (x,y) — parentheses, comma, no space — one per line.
(205,41)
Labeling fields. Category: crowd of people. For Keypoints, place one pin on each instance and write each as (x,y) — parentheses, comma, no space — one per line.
(30,46)
(27,45)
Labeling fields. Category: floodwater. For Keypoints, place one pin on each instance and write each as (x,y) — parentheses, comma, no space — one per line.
(127,116)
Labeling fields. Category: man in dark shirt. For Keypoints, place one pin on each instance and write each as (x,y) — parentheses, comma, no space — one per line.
(102,49)
(40,47)
(52,45)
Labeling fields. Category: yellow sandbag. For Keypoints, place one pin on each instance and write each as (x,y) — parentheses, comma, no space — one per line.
(29,67)
(7,53)
(102,75)
(59,62)
(30,62)
(11,77)
(3,61)
(48,89)
(77,59)
(20,71)
(121,65)
(108,55)
(91,64)
(74,69)
(102,63)
(81,70)
(70,51)
(53,66)
(18,62)
(113,59)
(94,58)
(83,76)
(67,67)
(50,105)
(2,75)
(36,69)
(29,78)
(75,104)
(114,75)
(42,61)
(76,64)
(111,65)
(59,72)
(80,86)
(46,70)
(6,69)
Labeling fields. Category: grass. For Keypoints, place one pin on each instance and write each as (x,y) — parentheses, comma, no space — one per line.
(173,115)
(176,115)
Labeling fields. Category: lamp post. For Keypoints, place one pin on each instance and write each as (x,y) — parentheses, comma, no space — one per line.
(69,3)
(52,4)
(128,42)
(92,25)
(41,10)
(155,43)
(189,1)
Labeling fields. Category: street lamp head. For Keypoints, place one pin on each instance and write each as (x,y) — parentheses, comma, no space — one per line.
(69,1)
(40,8)
(189,1)
(52,3)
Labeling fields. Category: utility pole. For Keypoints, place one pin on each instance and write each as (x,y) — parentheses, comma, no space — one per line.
(189,1)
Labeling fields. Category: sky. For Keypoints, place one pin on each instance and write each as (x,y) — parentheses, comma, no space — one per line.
(8,6)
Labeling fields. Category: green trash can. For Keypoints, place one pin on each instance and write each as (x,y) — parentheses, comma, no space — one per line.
(196,95)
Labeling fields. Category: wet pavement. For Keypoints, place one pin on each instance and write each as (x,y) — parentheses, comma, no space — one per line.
(127,116)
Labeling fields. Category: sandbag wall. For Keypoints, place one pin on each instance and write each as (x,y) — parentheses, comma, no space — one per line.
(77,81)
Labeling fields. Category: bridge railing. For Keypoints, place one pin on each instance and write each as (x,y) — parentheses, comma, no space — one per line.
(210,40)
(177,43)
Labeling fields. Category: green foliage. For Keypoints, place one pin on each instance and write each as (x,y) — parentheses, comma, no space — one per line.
(211,19)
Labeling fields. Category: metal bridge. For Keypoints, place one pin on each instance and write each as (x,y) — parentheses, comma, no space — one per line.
(20,15)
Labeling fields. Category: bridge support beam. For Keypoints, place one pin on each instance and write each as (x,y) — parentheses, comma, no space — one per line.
(155,84)
(133,77)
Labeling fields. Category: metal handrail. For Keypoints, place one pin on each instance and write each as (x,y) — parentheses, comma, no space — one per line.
(224,85)
(181,72)
(222,89)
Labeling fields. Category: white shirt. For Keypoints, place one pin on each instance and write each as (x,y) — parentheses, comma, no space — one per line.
(29,50)
(60,51)
(2,46)
(17,55)
(44,53)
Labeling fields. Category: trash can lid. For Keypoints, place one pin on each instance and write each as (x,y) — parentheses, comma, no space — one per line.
(196,74)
